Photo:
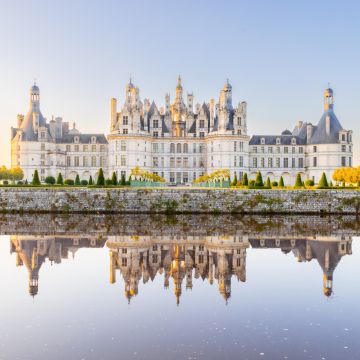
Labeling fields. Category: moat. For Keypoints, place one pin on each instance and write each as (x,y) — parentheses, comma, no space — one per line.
(179,286)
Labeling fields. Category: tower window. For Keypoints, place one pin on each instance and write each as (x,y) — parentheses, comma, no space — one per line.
(156,124)
(125,120)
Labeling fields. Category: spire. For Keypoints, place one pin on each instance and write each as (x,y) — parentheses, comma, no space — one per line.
(179,86)
(35,97)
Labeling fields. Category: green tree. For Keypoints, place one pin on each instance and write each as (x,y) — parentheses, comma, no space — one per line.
(234,183)
(259,181)
(77,180)
(245,180)
(298,181)
(50,180)
(114,178)
(331,184)
(281,182)
(36,180)
(123,180)
(59,180)
(323,183)
(100,179)
(268,183)
(91,182)
(16,174)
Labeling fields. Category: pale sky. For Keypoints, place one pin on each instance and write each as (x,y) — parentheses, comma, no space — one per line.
(278,55)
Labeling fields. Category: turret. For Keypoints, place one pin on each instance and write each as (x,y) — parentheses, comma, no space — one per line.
(328,99)
(35,97)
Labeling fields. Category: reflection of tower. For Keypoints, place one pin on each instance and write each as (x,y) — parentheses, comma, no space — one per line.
(177,270)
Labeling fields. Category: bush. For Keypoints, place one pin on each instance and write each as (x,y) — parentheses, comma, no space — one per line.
(20,183)
(323,183)
(83,182)
(36,180)
(122,180)
(251,183)
(259,181)
(108,182)
(245,180)
(281,182)
(114,179)
(234,182)
(274,184)
(100,179)
(69,182)
(77,180)
(309,182)
(268,183)
(60,180)
(91,182)
(50,180)
(5,182)
(298,181)
(331,184)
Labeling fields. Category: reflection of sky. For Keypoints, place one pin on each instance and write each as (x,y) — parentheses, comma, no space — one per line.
(280,311)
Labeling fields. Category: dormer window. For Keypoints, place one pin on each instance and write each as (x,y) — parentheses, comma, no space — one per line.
(125,120)
(76,139)
(155,124)
(202,124)
(93,139)
(293,141)
(262,141)
(277,141)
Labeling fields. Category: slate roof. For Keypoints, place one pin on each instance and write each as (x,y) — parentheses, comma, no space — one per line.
(271,140)
(83,139)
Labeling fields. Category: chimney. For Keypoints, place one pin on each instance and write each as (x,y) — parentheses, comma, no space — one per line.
(20,119)
(327,125)
(212,113)
(190,98)
(113,104)
(309,129)
(300,124)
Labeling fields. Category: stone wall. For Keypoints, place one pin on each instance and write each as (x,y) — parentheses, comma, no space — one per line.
(107,200)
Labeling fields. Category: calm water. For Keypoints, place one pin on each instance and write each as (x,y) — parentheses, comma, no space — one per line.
(184,287)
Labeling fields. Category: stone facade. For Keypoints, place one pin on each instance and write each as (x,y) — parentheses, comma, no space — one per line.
(179,200)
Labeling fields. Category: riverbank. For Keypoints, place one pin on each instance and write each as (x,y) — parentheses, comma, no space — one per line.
(178,200)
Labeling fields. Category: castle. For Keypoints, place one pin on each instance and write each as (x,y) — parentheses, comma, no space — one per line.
(179,142)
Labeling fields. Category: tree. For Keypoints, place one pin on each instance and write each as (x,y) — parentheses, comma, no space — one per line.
(259,181)
(281,182)
(84,182)
(245,180)
(114,179)
(91,182)
(234,183)
(298,181)
(77,180)
(59,180)
(268,183)
(123,181)
(16,174)
(50,180)
(331,184)
(36,180)
(323,183)
(100,179)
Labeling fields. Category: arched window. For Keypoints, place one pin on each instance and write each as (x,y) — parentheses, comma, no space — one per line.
(262,141)
(293,141)
(172,148)
(185,148)
(178,148)
(277,141)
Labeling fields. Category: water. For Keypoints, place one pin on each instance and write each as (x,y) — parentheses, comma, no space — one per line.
(182,287)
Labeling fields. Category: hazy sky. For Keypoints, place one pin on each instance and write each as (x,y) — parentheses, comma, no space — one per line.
(278,55)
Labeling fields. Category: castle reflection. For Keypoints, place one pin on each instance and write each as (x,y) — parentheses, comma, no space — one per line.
(219,259)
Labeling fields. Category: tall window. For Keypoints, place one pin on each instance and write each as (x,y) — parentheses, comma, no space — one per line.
(343,161)
(286,162)
(172,177)
(186,162)
(301,162)
(172,148)
(125,120)
(241,161)
(155,161)
(241,145)
(301,150)
(270,162)
(178,148)
(277,162)
(194,148)
(67,147)
(42,146)
(239,121)
(68,161)
(102,161)
(178,162)
(235,145)
(76,161)
(286,150)
(125,131)
(185,148)
(201,124)
(262,162)
(314,149)
(123,145)
(255,162)
(93,148)
(343,148)
(85,148)
(155,124)
(123,160)
(293,162)
(314,161)
(93,161)
(172,162)
(85,161)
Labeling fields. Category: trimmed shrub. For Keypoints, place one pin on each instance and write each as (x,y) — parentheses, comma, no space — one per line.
(20,183)
(281,182)
(331,184)
(251,183)
(245,180)
(36,180)
(91,182)
(323,183)
(309,182)
(83,182)
(298,181)
(274,184)
(259,181)
(268,183)
(122,180)
(100,179)
(77,180)
(234,182)
(5,182)
(59,180)
(69,182)
(108,182)
(50,180)
(114,179)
